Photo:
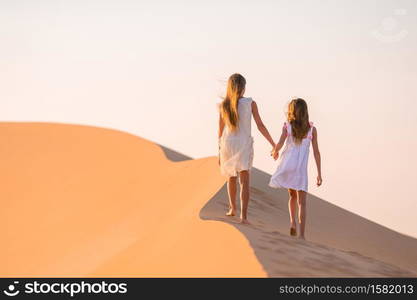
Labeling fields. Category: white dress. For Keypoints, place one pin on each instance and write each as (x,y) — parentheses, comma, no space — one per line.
(236,148)
(291,172)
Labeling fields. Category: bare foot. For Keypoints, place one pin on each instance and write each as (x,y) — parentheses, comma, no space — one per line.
(230,213)
(302,237)
(244,221)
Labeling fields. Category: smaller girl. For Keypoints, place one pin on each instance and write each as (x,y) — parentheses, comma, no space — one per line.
(291,172)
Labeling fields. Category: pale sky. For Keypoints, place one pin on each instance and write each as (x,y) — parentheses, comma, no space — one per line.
(157,68)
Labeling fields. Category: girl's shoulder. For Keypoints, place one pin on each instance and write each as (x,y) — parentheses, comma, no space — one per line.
(287,123)
(246,100)
(287,126)
(219,106)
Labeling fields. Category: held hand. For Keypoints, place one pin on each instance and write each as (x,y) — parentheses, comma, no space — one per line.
(274,154)
(319,180)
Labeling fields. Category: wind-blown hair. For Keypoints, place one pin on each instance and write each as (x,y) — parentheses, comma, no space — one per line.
(297,116)
(229,106)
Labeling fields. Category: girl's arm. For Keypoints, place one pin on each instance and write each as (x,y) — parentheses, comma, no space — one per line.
(275,151)
(317,156)
(260,124)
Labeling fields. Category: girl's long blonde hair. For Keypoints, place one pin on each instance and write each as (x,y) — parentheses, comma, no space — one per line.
(297,116)
(228,108)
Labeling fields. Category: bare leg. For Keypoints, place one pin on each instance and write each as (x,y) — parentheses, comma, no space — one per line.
(302,212)
(231,190)
(292,208)
(244,196)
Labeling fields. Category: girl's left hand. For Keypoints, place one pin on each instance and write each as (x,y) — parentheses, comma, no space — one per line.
(319,180)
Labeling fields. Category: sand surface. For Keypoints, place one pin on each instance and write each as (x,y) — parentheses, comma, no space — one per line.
(87,201)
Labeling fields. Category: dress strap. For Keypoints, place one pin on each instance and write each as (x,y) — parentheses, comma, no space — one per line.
(310,132)
(250,100)
(287,126)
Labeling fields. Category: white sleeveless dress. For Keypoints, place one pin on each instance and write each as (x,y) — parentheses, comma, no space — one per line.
(291,172)
(236,148)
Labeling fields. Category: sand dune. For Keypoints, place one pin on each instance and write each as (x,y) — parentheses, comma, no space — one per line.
(87,201)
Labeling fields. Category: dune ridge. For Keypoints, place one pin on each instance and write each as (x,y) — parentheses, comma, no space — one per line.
(87,201)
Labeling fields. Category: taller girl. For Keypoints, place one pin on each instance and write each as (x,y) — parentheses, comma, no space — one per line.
(236,141)
(291,173)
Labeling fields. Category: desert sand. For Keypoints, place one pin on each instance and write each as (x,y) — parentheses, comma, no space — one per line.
(87,201)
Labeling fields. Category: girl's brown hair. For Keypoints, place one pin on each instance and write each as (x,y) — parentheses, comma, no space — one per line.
(297,116)
(228,108)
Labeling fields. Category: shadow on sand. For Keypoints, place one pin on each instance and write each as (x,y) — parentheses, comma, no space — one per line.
(329,228)
(174,155)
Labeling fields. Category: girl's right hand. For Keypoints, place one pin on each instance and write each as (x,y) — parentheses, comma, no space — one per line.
(276,155)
